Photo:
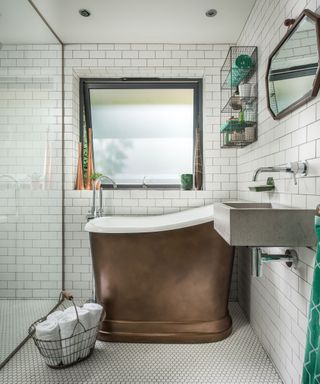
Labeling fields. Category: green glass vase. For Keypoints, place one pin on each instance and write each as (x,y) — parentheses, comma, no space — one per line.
(187,181)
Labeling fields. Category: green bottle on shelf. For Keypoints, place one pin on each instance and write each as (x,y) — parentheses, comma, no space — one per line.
(241,116)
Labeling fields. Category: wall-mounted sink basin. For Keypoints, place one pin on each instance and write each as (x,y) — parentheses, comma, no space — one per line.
(264,224)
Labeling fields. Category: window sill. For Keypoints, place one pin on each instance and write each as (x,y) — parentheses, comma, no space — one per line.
(174,187)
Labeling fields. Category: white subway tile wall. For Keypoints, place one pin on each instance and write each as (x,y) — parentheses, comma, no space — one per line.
(30,171)
(277,303)
(30,253)
(142,60)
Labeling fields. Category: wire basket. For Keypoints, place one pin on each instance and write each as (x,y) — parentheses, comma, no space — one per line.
(64,352)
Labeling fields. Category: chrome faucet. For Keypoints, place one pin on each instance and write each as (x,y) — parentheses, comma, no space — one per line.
(94,211)
(296,167)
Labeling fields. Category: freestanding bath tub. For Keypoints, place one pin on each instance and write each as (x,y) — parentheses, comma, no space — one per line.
(162,278)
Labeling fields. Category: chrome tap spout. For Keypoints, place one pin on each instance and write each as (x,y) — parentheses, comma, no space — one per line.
(269,169)
(114,184)
(296,167)
(94,211)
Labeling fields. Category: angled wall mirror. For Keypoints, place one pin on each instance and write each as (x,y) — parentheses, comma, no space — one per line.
(293,76)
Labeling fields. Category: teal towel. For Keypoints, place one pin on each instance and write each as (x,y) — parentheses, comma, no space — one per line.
(311,366)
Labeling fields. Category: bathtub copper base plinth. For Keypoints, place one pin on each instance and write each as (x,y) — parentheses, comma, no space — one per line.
(163,332)
(170,286)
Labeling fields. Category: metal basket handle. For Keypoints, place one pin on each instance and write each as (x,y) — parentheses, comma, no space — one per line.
(66,295)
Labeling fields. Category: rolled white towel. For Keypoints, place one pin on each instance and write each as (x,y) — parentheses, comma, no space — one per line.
(84,338)
(95,311)
(69,327)
(55,315)
(49,330)
(85,319)
(71,309)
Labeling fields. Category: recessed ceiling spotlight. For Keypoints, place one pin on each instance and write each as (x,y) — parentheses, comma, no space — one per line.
(211,12)
(84,12)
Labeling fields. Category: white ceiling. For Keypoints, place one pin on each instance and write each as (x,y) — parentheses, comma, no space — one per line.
(145,21)
(20,24)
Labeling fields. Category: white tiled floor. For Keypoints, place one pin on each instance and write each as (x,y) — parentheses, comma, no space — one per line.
(238,359)
(16,316)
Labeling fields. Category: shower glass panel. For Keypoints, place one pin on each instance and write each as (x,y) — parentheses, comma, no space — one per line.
(30,171)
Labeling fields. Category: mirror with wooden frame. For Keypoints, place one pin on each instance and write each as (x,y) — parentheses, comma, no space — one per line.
(293,76)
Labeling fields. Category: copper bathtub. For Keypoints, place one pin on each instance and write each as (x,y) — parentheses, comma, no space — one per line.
(162,278)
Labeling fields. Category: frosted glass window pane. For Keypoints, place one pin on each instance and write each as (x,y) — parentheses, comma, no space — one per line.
(141,133)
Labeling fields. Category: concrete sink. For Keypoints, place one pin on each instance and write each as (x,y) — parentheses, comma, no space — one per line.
(264,224)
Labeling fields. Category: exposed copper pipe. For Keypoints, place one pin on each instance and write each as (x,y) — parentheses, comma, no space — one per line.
(79,179)
(90,171)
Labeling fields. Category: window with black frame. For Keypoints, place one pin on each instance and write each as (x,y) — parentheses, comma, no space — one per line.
(146,132)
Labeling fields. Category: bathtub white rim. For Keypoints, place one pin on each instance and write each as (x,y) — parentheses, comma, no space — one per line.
(152,223)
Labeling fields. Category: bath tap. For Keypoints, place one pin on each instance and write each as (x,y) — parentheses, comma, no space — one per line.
(98,212)
(294,168)
(114,184)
